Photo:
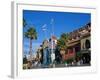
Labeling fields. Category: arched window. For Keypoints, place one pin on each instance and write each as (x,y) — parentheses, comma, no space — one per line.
(87,44)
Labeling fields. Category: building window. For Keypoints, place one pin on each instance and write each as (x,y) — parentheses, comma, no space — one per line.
(87,44)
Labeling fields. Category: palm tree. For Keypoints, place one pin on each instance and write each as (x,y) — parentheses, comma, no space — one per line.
(62,44)
(63,40)
(24,22)
(32,35)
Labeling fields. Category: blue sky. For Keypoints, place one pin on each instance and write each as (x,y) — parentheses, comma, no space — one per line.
(63,22)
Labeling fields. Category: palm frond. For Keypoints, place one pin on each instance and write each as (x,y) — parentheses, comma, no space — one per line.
(31,33)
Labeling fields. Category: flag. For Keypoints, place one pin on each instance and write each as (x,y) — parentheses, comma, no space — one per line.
(44,27)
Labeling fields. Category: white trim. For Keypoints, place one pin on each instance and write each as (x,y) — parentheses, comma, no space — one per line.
(13,41)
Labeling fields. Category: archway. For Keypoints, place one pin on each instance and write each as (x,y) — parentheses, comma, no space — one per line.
(87,44)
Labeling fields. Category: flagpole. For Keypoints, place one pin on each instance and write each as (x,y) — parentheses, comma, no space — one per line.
(52,34)
(52,23)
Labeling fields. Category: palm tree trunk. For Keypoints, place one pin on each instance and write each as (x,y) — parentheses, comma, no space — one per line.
(31,48)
